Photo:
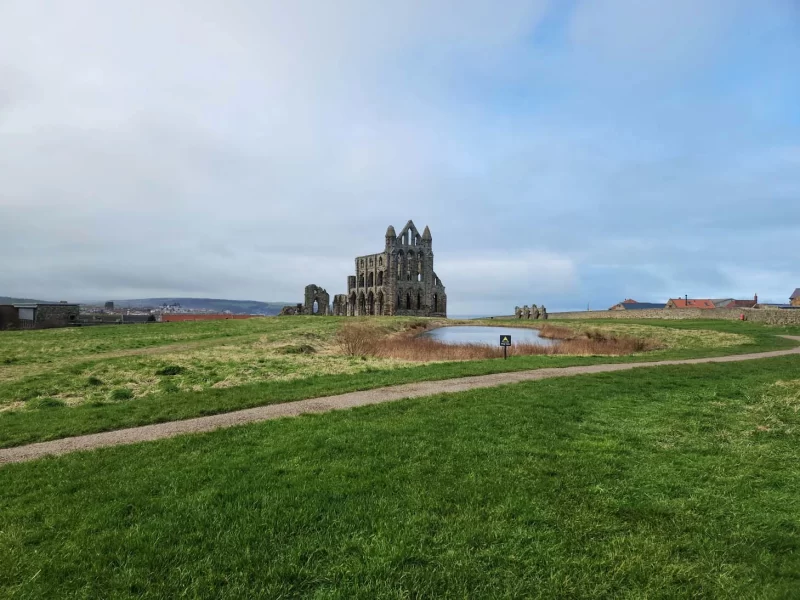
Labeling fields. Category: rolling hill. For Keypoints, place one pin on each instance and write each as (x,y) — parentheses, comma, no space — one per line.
(248,307)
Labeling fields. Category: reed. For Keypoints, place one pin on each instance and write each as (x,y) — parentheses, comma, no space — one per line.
(422,349)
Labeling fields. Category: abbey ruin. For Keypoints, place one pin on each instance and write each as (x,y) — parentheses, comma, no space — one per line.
(400,281)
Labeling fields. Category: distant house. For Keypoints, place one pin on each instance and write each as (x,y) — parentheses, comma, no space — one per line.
(702,303)
(634,305)
(620,306)
(794,299)
(731,303)
(721,302)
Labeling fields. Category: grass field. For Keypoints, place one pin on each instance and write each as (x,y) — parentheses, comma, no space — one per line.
(62,382)
(671,482)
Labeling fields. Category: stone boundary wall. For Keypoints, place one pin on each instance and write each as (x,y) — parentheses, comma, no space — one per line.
(180,317)
(759,315)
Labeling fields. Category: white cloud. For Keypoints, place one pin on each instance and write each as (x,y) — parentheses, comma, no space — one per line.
(248,148)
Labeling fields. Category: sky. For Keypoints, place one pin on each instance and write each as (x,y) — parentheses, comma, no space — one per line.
(570,153)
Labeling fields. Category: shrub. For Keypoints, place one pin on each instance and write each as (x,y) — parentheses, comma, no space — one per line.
(94,381)
(38,403)
(121,394)
(170,370)
(297,349)
(358,339)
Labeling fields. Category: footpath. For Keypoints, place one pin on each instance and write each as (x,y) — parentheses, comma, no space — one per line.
(161,431)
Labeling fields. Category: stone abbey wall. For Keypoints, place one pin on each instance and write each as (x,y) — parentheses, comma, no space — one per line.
(398,281)
(316,301)
(758,315)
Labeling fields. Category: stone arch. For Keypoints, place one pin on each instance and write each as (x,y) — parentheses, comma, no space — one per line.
(436,303)
(419,299)
(370,279)
(380,278)
(351,305)
(411,267)
(380,303)
(371,304)
(361,280)
(408,300)
(317,301)
(399,304)
(362,305)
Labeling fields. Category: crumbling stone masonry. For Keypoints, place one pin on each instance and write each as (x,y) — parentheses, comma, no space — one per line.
(340,305)
(398,281)
(317,301)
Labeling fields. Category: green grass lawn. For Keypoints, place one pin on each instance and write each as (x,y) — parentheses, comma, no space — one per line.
(192,369)
(671,482)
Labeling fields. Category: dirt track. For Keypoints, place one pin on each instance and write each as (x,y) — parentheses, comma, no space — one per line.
(320,405)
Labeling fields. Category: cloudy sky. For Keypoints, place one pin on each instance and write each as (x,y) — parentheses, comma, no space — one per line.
(565,152)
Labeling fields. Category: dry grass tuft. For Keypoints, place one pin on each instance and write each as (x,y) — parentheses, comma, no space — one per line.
(409,347)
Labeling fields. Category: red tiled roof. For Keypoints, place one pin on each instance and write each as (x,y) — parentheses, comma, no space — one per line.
(741,304)
(703,303)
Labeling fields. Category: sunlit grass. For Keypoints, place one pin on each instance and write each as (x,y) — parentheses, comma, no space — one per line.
(670,482)
(181,372)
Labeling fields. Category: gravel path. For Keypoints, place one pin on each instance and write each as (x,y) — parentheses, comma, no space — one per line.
(320,405)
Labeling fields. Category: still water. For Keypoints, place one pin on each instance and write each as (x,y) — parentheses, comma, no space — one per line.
(469,334)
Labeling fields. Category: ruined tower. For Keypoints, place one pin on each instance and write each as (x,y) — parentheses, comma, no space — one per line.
(398,281)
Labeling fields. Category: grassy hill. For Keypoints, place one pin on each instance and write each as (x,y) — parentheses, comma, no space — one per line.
(11,300)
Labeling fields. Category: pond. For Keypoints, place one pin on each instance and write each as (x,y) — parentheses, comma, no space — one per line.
(474,334)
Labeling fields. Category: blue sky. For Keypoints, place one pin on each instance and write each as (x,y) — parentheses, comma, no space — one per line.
(565,153)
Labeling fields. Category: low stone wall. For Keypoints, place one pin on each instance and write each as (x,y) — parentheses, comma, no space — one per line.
(56,315)
(180,317)
(759,315)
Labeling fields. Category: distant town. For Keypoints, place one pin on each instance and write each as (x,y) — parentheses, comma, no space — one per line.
(36,314)
(708,303)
